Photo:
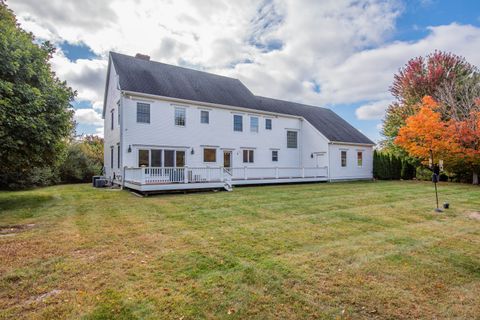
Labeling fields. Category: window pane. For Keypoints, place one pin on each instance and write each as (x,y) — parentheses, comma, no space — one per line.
(118,156)
(291,139)
(274,155)
(156,158)
(113,117)
(344,158)
(143,112)
(250,153)
(180,158)
(268,124)
(359,158)
(180,116)
(204,116)
(237,123)
(111,157)
(245,155)
(143,158)
(253,124)
(209,155)
(169,158)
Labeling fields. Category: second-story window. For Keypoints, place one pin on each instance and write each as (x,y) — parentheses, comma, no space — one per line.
(180,117)
(237,123)
(204,116)
(292,139)
(112,113)
(143,112)
(268,124)
(253,124)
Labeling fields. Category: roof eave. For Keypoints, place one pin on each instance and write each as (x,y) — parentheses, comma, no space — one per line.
(371,144)
(208,104)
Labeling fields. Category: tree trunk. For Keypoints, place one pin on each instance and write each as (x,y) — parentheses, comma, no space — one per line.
(475,178)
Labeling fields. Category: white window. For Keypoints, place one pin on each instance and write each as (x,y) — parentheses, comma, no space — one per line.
(111,157)
(209,155)
(275,155)
(158,157)
(343,158)
(143,112)
(268,124)
(253,124)
(118,104)
(292,139)
(237,123)
(180,117)
(248,156)
(118,156)
(204,116)
(144,157)
(359,158)
(112,113)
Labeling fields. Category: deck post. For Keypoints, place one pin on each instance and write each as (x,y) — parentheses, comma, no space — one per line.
(276,172)
(208,173)
(303,172)
(142,176)
(245,172)
(222,178)
(185,174)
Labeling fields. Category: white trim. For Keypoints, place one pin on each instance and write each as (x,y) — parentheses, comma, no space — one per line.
(159,146)
(208,104)
(352,143)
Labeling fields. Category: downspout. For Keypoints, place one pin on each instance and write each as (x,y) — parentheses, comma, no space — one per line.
(120,109)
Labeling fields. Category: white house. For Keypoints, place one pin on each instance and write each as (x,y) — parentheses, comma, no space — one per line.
(170,128)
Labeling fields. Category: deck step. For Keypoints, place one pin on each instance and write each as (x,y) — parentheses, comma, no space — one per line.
(228,186)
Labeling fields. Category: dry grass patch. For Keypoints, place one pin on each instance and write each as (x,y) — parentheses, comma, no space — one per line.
(347,250)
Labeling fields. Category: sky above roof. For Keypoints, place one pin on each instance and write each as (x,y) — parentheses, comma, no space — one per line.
(340,54)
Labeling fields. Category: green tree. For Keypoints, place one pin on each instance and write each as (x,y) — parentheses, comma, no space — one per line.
(84,159)
(35,110)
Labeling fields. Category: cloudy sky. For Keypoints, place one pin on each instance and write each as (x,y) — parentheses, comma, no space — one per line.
(339,54)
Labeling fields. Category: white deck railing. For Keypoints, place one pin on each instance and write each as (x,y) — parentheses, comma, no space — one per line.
(164,175)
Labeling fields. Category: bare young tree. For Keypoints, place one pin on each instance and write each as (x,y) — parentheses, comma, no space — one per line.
(459,103)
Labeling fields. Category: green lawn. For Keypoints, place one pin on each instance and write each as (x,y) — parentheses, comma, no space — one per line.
(345,250)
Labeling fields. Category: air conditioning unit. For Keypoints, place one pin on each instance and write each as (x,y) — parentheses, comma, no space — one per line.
(101,183)
(95,178)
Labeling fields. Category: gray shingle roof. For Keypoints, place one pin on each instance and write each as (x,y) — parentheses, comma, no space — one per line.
(324,120)
(161,79)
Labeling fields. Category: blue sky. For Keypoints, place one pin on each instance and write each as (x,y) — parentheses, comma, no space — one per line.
(340,54)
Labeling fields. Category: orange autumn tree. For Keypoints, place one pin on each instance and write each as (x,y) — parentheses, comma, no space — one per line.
(425,133)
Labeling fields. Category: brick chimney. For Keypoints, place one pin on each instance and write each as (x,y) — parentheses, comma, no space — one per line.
(142,56)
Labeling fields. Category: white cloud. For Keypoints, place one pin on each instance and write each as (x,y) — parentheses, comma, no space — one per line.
(372,111)
(87,76)
(278,48)
(99,132)
(88,116)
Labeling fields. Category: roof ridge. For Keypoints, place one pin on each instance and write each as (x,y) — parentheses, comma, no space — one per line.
(175,66)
